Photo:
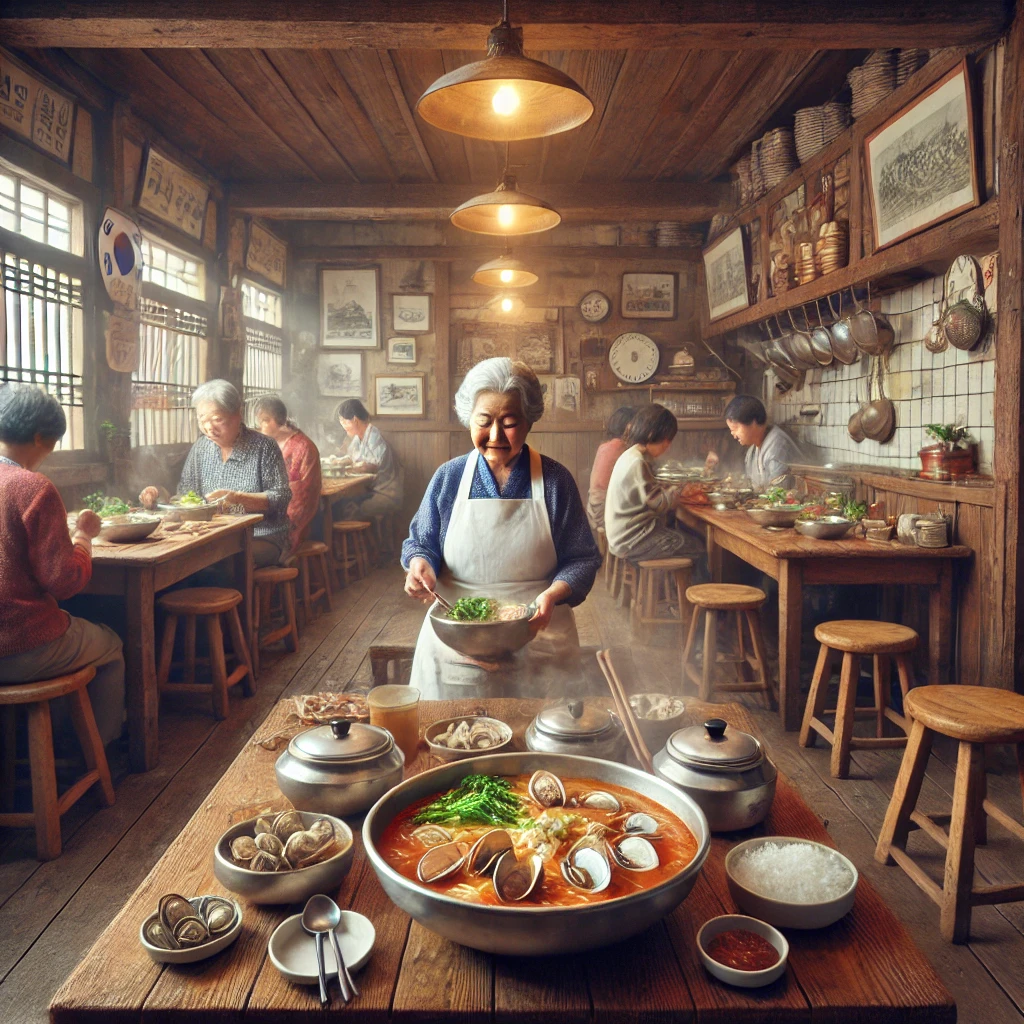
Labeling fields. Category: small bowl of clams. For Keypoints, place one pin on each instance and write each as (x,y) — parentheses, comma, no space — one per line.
(469,736)
(283,857)
(183,931)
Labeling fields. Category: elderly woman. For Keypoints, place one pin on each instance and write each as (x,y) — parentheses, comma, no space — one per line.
(238,466)
(41,563)
(770,450)
(370,453)
(502,522)
(604,461)
(301,459)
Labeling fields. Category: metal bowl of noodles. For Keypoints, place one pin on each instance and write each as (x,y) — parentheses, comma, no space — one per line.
(775,515)
(528,928)
(129,528)
(201,512)
(494,638)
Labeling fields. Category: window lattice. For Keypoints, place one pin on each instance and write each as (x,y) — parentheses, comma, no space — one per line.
(264,363)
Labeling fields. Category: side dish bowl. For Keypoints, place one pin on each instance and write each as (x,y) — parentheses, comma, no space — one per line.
(502,736)
(779,515)
(732,975)
(826,528)
(125,529)
(191,954)
(486,640)
(192,513)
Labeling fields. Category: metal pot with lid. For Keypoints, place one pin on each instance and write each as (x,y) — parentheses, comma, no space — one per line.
(341,768)
(724,769)
(577,728)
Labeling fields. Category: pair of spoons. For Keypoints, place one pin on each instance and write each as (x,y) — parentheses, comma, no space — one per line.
(320,917)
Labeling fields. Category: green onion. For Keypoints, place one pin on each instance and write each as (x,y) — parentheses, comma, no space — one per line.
(474,609)
(479,800)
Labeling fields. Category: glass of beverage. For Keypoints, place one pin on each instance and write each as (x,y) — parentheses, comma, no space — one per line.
(396,708)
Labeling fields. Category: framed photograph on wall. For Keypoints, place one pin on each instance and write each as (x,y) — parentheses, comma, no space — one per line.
(400,394)
(340,374)
(411,313)
(350,307)
(648,297)
(921,164)
(402,350)
(725,274)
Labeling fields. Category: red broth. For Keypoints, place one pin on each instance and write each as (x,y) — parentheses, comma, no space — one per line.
(676,848)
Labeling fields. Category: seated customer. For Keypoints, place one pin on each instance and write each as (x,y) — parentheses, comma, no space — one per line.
(238,466)
(637,504)
(370,453)
(770,450)
(41,563)
(604,459)
(301,459)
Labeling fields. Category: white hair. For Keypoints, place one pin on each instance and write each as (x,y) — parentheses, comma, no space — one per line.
(501,376)
(222,393)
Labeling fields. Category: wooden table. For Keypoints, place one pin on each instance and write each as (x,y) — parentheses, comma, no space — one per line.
(335,489)
(137,572)
(794,560)
(865,968)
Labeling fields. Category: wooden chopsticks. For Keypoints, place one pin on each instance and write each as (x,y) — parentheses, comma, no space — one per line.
(636,741)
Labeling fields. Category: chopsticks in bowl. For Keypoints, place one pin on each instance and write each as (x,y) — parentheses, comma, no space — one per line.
(636,741)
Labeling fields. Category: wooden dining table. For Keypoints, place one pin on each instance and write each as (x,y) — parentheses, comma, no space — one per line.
(794,560)
(863,968)
(137,572)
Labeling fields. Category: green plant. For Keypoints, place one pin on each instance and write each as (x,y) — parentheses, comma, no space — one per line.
(110,430)
(949,434)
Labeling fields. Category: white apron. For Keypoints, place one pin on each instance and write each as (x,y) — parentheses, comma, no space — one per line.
(500,548)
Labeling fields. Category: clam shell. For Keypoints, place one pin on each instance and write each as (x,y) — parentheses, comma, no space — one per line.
(157,935)
(432,835)
(591,868)
(322,829)
(269,843)
(441,861)
(483,735)
(218,913)
(487,849)
(265,862)
(640,823)
(173,908)
(243,849)
(264,823)
(599,800)
(515,879)
(323,852)
(191,931)
(287,823)
(546,789)
(301,846)
(634,853)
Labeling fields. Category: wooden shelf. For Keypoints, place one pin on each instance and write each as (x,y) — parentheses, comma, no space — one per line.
(695,387)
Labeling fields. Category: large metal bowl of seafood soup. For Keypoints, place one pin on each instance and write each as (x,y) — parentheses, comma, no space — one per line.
(494,638)
(608,883)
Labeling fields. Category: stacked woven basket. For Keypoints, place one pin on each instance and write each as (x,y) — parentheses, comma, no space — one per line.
(815,127)
(909,61)
(872,81)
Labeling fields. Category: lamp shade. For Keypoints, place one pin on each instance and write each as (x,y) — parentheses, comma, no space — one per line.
(505,272)
(505,97)
(505,211)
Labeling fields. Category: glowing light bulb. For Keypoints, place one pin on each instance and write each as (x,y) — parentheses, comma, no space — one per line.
(506,276)
(506,305)
(506,215)
(505,101)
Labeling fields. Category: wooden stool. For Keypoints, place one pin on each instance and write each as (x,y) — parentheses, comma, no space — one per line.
(743,603)
(855,637)
(657,576)
(209,603)
(354,553)
(973,715)
(313,554)
(265,581)
(47,807)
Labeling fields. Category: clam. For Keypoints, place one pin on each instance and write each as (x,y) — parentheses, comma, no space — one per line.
(487,849)
(441,861)
(484,734)
(265,862)
(634,853)
(243,849)
(264,823)
(546,789)
(640,824)
(269,843)
(588,869)
(322,829)
(173,908)
(287,823)
(432,835)
(515,879)
(218,913)
(191,931)
(599,800)
(157,935)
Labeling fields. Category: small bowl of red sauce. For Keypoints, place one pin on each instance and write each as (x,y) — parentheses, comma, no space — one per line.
(742,951)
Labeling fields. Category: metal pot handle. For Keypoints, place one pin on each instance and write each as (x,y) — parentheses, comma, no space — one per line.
(716,728)
(340,727)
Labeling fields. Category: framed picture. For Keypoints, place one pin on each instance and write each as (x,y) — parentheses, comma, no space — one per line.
(411,313)
(401,350)
(340,374)
(725,273)
(266,253)
(648,297)
(350,307)
(921,164)
(172,194)
(399,394)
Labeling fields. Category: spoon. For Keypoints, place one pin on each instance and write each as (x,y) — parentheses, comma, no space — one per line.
(314,922)
(327,916)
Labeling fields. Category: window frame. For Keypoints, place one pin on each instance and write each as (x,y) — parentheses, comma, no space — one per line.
(250,394)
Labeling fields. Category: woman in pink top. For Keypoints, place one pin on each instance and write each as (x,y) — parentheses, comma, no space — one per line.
(301,459)
(604,462)
(41,563)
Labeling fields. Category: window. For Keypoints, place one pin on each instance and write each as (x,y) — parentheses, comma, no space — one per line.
(33,209)
(43,343)
(264,344)
(261,304)
(173,269)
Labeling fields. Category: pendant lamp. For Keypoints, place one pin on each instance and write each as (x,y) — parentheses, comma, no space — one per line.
(506,96)
(505,211)
(505,272)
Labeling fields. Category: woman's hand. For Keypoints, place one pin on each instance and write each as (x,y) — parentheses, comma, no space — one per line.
(88,523)
(149,497)
(420,579)
(546,601)
(224,495)
(710,462)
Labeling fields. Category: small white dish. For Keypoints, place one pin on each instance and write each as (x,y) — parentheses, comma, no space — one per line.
(194,953)
(293,950)
(731,975)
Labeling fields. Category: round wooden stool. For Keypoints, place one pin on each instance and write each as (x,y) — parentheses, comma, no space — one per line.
(47,807)
(658,578)
(280,579)
(856,638)
(354,555)
(973,715)
(744,604)
(208,603)
(312,554)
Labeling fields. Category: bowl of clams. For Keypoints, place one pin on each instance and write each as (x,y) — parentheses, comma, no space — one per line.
(183,931)
(283,857)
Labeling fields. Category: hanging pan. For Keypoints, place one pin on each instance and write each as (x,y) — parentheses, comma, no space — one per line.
(878,417)
(800,348)
(872,333)
(821,342)
(776,354)
(843,348)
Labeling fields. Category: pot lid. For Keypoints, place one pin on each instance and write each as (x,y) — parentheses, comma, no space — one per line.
(342,741)
(573,721)
(714,746)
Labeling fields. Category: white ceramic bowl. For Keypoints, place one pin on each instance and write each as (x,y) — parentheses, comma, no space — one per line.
(293,950)
(194,953)
(435,729)
(781,913)
(656,731)
(134,526)
(730,975)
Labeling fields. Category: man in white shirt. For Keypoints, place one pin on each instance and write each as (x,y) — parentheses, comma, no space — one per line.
(770,450)
(370,453)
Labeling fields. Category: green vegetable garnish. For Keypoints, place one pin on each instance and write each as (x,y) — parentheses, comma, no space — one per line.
(191,499)
(775,495)
(115,507)
(474,609)
(855,510)
(479,800)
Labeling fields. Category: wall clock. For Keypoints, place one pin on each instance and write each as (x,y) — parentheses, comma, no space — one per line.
(595,307)
(634,357)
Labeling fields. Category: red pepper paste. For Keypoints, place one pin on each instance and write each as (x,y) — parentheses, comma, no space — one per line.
(743,950)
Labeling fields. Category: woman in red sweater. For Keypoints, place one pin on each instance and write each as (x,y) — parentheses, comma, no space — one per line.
(41,563)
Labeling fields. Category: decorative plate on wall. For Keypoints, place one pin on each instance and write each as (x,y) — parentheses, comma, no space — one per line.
(595,307)
(634,357)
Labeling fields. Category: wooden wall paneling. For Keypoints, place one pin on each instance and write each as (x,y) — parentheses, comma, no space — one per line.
(442,382)
(82,153)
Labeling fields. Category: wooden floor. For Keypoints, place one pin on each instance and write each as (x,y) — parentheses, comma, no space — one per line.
(51,913)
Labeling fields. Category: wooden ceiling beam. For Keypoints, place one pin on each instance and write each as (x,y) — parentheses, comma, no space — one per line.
(685,202)
(454,253)
(463,24)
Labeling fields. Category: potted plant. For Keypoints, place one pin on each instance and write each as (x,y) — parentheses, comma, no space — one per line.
(952,455)
(119,449)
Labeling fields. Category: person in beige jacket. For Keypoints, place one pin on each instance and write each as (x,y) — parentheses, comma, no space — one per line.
(637,503)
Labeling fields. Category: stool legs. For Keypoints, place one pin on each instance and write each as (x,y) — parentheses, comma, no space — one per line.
(7,767)
(92,745)
(44,781)
(761,657)
(218,666)
(848,676)
(816,698)
(710,650)
(242,653)
(958,881)
(896,826)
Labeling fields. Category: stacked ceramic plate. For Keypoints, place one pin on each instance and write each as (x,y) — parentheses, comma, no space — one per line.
(806,269)
(778,156)
(872,81)
(907,62)
(833,246)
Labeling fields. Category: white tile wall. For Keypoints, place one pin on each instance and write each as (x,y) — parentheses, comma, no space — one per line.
(948,387)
